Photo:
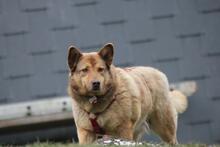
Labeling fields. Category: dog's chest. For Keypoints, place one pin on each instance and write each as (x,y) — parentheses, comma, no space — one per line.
(108,121)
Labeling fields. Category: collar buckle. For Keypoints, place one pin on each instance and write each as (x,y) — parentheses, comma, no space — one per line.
(93,100)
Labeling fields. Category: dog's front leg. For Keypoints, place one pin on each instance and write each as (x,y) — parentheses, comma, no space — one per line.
(84,136)
(125,130)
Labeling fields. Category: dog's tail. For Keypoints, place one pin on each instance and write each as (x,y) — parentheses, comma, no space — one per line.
(179,93)
(179,100)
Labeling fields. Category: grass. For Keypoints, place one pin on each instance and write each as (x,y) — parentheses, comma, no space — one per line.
(51,144)
(70,144)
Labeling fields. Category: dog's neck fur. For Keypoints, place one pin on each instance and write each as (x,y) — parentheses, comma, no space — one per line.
(102,101)
(99,106)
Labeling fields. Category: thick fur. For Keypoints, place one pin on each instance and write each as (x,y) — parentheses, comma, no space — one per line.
(179,101)
(142,98)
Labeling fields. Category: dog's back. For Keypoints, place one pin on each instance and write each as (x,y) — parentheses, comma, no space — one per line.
(148,78)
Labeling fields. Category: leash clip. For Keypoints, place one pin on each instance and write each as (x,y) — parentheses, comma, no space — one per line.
(93,100)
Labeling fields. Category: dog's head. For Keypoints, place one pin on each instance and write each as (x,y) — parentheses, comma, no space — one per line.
(90,73)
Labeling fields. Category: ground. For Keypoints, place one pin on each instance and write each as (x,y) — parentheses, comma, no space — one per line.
(49,144)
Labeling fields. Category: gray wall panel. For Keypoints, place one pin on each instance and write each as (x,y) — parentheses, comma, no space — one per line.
(38,21)
(14,23)
(19,89)
(199,108)
(16,45)
(131,13)
(10,6)
(201,133)
(91,36)
(63,38)
(39,42)
(184,134)
(186,6)
(162,8)
(62,79)
(197,70)
(143,30)
(213,68)
(44,86)
(59,61)
(210,41)
(142,47)
(4,91)
(1,67)
(88,12)
(215,133)
(43,63)
(18,66)
(33,5)
(164,27)
(215,127)
(2,46)
(167,48)
(207,5)
(213,88)
(188,24)
(61,18)
(111,10)
(1,7)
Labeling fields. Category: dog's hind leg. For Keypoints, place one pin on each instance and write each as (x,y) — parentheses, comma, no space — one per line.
(164,123)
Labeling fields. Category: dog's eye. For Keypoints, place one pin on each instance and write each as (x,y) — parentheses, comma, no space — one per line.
(84,70)
(101,69)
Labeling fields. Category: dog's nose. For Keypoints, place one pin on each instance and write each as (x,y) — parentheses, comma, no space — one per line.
(95,85)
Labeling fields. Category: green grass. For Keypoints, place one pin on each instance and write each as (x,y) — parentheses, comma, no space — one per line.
(49,144)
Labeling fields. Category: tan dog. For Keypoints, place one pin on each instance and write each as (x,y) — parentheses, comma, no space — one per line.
(120,102)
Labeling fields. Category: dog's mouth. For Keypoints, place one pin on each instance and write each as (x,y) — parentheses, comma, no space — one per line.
(98,94)
(95,98)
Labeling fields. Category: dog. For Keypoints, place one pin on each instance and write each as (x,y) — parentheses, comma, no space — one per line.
(120,102)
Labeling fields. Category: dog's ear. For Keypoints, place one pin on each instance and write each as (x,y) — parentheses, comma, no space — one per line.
(106,53)
(73,57)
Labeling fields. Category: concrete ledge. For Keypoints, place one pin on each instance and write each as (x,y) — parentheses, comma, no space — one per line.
(55,109)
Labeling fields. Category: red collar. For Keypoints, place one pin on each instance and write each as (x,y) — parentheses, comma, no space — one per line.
(93,119)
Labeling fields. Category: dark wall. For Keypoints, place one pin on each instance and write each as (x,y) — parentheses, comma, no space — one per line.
(180,37)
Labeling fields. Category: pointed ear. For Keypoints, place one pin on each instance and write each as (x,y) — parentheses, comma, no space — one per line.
(107,53)
(73,57)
